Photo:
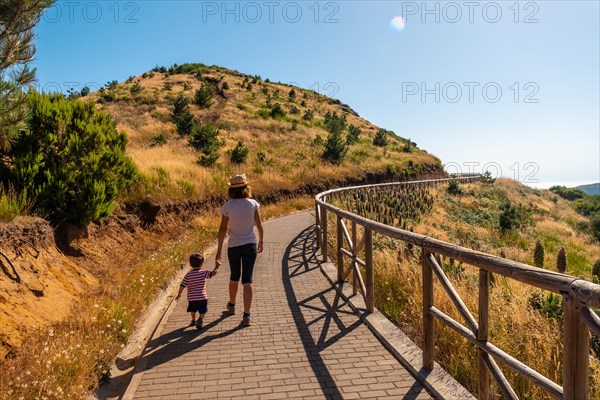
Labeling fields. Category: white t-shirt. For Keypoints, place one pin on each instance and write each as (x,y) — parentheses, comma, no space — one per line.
(241,220)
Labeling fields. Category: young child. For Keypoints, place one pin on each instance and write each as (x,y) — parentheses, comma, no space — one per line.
(195,281)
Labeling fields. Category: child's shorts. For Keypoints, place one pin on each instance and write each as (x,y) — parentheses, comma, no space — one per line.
(201,306)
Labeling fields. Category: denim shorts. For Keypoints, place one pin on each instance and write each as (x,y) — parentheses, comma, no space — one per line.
(241,262)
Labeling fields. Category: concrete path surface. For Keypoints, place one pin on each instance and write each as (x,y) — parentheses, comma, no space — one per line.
(304,342)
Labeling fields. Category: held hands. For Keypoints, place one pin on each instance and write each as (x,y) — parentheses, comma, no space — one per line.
(218,260)
(178,297)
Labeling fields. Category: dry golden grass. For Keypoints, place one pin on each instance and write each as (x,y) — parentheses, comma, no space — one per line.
(515,326)
(293,159)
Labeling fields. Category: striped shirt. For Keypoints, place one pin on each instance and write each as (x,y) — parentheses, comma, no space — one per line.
(195,281)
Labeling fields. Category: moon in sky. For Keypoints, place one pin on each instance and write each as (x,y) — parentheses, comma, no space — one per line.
(398,23)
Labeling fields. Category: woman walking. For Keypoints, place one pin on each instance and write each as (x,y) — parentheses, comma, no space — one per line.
(241,214)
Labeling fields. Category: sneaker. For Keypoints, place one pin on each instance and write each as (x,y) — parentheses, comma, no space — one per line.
(246,320)
(199,323)
(193,322)
(230,308)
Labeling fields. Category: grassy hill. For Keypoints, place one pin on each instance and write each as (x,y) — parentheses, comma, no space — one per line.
(284,151)
(591,189)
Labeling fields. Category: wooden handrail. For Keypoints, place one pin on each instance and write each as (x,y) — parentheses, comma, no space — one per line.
(578,295)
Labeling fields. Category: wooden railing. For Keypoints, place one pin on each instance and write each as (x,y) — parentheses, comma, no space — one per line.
(579,296)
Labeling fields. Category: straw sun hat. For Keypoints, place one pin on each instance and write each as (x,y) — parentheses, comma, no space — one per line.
(236,181)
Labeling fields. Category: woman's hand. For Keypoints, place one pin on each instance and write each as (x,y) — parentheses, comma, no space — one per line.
(259,247)
(218,260)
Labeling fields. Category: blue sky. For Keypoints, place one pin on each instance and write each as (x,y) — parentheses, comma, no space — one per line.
(514,85)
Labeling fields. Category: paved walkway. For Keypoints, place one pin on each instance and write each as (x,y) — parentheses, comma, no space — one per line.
(305,342)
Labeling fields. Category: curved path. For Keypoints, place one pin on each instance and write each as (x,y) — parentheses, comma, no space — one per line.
(305,341)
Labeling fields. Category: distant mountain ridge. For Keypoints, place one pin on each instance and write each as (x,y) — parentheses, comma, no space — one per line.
(591,189)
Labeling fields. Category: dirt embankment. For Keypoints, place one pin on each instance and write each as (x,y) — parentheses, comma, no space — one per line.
(45,269)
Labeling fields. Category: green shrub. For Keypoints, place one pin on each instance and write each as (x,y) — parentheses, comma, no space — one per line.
(12,203)
(277,111)
(294,110)
(513,217)
(381,138)
(261,156)
(548,304)
(335,148)
(292,95)
(159,140)
(334,123)
(167,86)
(308,115)
(136,88)
(567,193)
(303,103)
(353,135)
(538,254)
(225,86)
(185,123)
(241,106)
(71,160)
(454,187)
(486,177)
(239,154)
(318,141)
(186,187)
(84,91)
(204,96)
(187,86)
(206,139)
(180,105)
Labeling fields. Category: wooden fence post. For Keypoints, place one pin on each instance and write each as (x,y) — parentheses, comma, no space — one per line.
(428,319)
(340,245)
(317,227)
(324,237)
(482,332)
(576,350)
(370,286)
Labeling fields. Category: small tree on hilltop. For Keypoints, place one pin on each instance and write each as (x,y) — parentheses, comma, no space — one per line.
(561,260)
(381,138)
(203,97)
(292,95)
(538,254)
(239,154)
(486,177)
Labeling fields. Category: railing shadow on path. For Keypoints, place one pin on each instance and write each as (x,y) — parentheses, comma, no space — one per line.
(299,258)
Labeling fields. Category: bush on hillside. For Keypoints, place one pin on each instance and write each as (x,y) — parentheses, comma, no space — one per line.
(335,148)
(513,217)
(277,111)
(292,95)
(308,115)
(71,161)
(334,123)
(206,139)
(381,138)
(454,187)
(204,96)
(239,154)
(353,134)
(568,193)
